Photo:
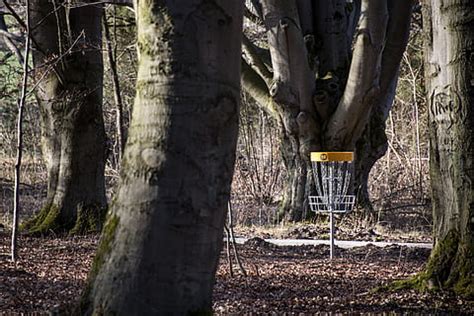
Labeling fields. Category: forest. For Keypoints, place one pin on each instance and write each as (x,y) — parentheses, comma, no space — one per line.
(236,157)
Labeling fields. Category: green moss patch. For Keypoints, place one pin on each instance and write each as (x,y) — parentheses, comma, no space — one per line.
(47,221)
(450,267)
(105,246)
(89,219)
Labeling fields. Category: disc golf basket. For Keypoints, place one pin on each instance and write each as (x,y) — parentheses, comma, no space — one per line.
(332,176)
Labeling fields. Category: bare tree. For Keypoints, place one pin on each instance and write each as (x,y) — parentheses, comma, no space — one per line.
(21,105)
(160,247)
(68,74)
(330,64)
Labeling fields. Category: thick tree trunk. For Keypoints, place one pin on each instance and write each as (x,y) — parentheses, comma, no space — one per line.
(69,71)
(372,145)
(296,164)
(291,90)
(160,246)
(320,96)
(449,66)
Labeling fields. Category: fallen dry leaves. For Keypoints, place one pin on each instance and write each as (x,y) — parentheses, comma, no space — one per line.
(294,280)
(51,272)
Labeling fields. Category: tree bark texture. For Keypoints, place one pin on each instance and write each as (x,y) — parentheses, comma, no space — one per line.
(161,243)
(68,74)
(449,73)
(322,92)
(372,145)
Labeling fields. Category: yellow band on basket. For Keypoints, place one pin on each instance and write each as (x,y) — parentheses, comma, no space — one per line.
(332,156)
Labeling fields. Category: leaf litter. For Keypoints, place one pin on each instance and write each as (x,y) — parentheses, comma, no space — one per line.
(51,273)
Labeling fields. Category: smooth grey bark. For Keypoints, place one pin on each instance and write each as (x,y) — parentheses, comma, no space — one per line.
(322,92)
(291,89)
(19,135)
(372,145)
(449,73)
(68,74)
(160,247)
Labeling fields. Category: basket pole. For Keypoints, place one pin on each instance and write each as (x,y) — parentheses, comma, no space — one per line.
(331,210)
(331,235)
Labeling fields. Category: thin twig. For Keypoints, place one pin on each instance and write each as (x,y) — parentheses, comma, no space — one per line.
(52,66)
(229,257)
(8,39)
(234,246)
(116,85)
(16,200)
(31,38)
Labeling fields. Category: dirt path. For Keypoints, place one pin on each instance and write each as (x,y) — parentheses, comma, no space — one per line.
(346,244)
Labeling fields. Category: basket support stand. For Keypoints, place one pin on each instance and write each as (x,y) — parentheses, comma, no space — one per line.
(331,236)
(332,173)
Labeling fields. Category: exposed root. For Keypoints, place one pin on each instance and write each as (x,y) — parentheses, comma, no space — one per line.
(450,268)
(49,220)
(45,222)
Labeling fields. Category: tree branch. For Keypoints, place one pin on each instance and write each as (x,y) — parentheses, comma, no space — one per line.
(4,32)
(293,82)
(258,8)
(7,38)
(5,57)
(255,61)
(398,31)
(252,17)
(255,86)
(20,21)
(13,48)
(116,85)
(363,85)
(333,36)
(305,13)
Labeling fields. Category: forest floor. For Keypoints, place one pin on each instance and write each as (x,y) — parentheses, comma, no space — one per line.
(52,271)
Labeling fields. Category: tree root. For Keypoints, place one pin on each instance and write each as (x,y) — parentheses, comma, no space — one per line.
(89,220)
(449,268)
(49,220)
(45,222)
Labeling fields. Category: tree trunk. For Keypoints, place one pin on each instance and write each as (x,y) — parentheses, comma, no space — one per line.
(177,165)
(68,73)
(321,96)
(372,145)
(449,72)
(296,164)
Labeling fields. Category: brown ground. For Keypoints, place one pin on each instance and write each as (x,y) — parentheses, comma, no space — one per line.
(52,271)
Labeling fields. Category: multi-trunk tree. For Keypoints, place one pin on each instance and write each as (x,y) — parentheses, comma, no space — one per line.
(449,73)
(68,71)
(328,79)
(160,246)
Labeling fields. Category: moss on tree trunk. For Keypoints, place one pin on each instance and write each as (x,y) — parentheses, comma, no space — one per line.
(450,266)
(160,254)
(72,129)
(449,73)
